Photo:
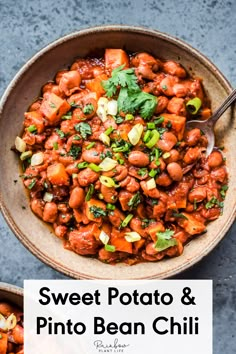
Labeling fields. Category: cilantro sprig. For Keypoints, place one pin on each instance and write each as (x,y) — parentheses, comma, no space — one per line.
(131,98)
(165,240)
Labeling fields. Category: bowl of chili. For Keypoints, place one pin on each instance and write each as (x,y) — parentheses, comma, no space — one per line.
(78,191)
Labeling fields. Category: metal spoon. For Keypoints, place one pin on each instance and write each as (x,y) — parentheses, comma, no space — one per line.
(207,126)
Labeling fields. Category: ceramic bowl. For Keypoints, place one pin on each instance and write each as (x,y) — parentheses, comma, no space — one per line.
(35,234)
(12,294)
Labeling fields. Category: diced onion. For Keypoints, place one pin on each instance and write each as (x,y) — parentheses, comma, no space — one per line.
(3,322)
(20,144)
(37,159)
(132,236)
(104,238)
(108,164)
(105,139)
(25,155)
(48,197)
(151,184)
(112,107)
(107,181)
(166,155)
(11,322)
(102,113)
(102,102)
(135,134)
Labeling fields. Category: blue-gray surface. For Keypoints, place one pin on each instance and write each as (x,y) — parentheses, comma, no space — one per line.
(210,26)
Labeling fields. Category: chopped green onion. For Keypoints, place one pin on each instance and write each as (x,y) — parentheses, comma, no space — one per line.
(103,237)
(152,173)
(129,117)
(110,248)
(107,181)
(105,139)
(32,128)
(82,165)
(147,136)
(119,159)
(89,193)
(89,146)
(135,133)
(159,120)
(151,125)
(55,146)
(108,164)
(194,105)
(67,116)
(126,221)
(179,215)
(132,236)
(154,139)
(110,206)
(32,183)
(109,131)
(94,167)
(166,155)
(25,155)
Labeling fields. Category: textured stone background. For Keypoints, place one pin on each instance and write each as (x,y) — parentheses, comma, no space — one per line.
(27,26)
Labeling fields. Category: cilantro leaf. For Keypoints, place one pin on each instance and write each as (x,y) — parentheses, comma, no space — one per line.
(84,129)
(75,151)
(165,240)
(97,212)
(88,109)
(131,98)
(214,202)
(134,201)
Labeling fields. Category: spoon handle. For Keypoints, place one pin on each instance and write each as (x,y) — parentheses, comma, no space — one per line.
(229,100)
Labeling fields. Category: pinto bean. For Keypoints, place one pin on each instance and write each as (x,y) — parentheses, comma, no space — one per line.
(76,198)
(219,174)
(60,231)
(50,212)
(175,171)
(167,85)
(173,68)
(174,156)
(150,249)
(193,136)
(161,104)
(180,90)
(215,159)
(37,206)
(167,142)
(83,242)
(87,176)
(138,158)
(91,156)
(130,184)
(191,155)
(164,180)
(16,335)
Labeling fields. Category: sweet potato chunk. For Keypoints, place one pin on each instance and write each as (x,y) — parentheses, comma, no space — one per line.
(57,174)
(191,225)
(53,107)
(95,210)
(177,123)
(115,58)
(3,343)
(95,85)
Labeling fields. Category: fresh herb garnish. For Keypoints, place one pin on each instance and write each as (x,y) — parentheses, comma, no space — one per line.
(164,87)
(89,146)
(108,153)
(142,171)
(74,151)
(110,206)
(32,128)
(97,212)
(223,190)
(84,129)
(88,109)
(67,116)
(118,119)
(89,193)
(135,200)
(194,204)
(147,222)
(214,202)
(131,98)
(121,146)
(32,183)
(179,215)
(60,133)
(110,248)
(76,137)
(165,240)
(52,105)
(75,105)
(82,165)
(55,145)
(126,221)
